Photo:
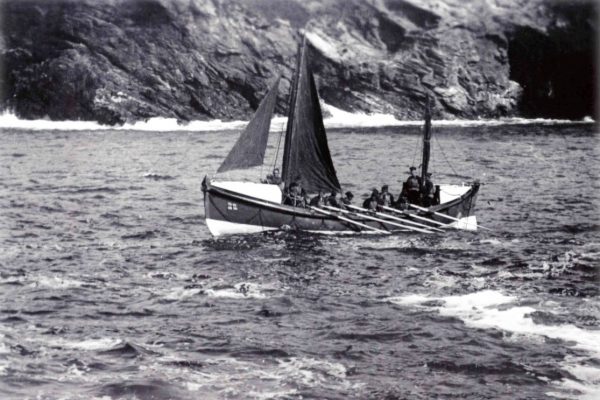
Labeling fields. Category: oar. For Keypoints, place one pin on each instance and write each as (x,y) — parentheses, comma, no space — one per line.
(410,228)
(348,220)
(415,216)
(443,215)
(384,215)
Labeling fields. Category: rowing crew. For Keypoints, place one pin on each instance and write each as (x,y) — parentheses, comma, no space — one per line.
(296,196)
(414,191)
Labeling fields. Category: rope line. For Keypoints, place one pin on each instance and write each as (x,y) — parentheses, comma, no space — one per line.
(445,158)
(417,146)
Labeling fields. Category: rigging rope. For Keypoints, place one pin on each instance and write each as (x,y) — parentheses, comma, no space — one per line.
(417,146)
(445,158)
(471,164)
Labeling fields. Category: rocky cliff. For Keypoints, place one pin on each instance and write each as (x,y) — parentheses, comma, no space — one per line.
(122,60)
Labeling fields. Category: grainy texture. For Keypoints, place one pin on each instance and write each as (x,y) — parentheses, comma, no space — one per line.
(111,287)
(119,60)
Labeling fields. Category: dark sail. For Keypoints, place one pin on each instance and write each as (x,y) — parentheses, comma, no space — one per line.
(249,150)
(426,140)
(306,154)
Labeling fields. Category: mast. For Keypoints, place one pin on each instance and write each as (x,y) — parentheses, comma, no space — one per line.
(426,141)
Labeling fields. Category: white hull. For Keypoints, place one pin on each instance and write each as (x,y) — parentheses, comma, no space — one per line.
(220,228)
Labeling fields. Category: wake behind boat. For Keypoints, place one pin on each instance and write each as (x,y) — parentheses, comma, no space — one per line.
(239,207)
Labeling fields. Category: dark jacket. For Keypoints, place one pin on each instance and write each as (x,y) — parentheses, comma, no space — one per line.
(370,203)
(413,183)
(386,199)
(428,189)
(317,201)
(333,201)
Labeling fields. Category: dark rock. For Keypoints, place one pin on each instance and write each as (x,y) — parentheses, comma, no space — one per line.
(123,60)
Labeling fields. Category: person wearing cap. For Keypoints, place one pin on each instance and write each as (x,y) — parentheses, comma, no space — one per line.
(371,202)
(428,191)
(385,197)
(347,199)
(412,187)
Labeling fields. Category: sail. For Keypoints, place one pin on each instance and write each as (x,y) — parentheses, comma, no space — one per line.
(249,150)
(426,140)
(306,154)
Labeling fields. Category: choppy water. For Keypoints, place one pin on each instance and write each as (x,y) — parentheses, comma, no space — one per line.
(111,287)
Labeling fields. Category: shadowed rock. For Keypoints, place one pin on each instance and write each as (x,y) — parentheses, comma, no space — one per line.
(125,60)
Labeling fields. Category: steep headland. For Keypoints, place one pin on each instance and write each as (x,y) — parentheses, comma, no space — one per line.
(124,60)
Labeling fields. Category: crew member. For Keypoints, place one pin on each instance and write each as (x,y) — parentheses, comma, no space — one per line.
(294,196)
(371,202)
(413,187)
(347,199)
(274,178)
(428,191)
(332,200)
(401,203)
(318,200)
(385,197)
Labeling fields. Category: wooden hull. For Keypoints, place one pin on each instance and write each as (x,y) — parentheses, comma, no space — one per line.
(228,212)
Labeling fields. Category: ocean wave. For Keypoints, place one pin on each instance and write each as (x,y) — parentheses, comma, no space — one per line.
(100,344)
(158,177)
(4,348)
(336,118)
(231,377)
(238,291)
(243,290)
(490,309)
(587,382)
(55,282)
(180,293)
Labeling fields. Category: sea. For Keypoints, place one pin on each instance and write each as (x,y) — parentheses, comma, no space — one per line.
(111,286)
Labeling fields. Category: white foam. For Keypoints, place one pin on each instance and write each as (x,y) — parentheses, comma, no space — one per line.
(180,293)
(158,124)
(481,310)
(55,282)
(167,275)
(492,241)
(242,290)
(492,309)
(588,383)
(73,372)
(89,344)
(4,348)
(227,377)
(338,119)
(311,371)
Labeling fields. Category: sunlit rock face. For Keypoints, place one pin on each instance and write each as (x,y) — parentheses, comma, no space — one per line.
(124,60)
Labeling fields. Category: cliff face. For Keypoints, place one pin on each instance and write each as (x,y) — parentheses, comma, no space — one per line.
(119,60)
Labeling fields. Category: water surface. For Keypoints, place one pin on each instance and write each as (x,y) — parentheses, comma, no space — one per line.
(111,286)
